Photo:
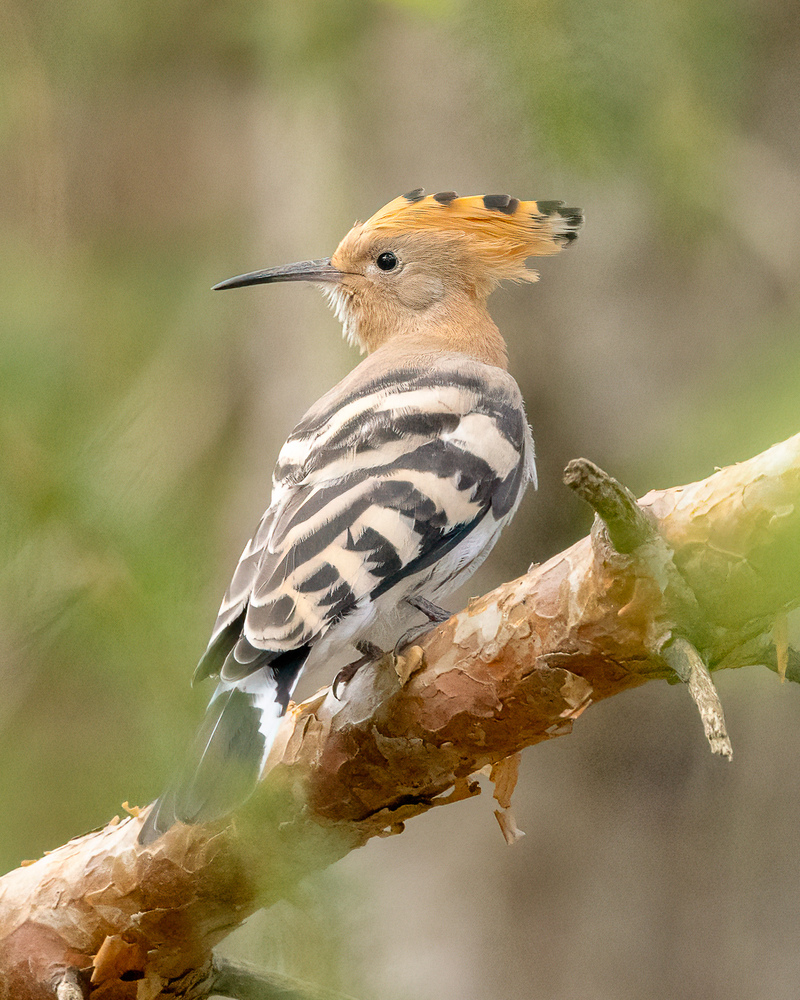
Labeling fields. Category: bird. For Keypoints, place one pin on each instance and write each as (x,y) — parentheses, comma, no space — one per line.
(391,490)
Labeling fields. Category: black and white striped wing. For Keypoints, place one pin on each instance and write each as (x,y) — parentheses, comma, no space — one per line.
(393,487)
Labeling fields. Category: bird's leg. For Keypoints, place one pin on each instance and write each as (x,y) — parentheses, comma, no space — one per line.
(432,612)
(369,652)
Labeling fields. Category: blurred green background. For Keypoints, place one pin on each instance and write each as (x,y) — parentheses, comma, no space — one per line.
(150,150)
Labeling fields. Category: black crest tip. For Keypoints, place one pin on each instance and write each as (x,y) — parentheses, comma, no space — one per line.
(500,203)
(416,195)
(550,207)
(571,220)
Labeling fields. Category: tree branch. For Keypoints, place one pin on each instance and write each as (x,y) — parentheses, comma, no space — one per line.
(709,567)
(246,982)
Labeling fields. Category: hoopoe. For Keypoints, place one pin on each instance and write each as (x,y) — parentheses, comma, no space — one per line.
(393,488)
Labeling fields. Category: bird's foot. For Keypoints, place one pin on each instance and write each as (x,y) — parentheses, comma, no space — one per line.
(369,652)
(404,664)
(432,612)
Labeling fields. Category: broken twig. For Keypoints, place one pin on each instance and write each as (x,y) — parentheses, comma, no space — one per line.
(628,525)
(687,663)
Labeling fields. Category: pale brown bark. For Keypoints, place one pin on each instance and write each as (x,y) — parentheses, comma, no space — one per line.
(714,565)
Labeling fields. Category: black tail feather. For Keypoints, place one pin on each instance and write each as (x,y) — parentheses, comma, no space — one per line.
(222,769)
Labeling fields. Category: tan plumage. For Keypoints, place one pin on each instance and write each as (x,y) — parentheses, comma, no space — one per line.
(452,252)
(394,486)
(502,232)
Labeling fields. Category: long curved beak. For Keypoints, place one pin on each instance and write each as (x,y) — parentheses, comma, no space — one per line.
(305,270)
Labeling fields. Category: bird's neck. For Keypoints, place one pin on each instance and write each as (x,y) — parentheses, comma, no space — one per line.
(457,324)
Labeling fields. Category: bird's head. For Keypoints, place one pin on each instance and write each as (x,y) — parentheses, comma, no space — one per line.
(424,266)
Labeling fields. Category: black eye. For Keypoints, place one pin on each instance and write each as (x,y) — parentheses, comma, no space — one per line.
(387,261)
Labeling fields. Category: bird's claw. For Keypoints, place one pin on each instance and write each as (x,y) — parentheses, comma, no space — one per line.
(369,652)
(404,664)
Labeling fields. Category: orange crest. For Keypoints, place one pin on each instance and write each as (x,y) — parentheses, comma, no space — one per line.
(503,231)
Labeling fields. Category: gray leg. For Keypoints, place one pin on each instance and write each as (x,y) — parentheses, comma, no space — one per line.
(431,611)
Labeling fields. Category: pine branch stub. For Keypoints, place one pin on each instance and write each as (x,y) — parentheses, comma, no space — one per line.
(628,525)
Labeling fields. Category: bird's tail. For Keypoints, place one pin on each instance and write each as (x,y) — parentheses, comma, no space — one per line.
(223,765)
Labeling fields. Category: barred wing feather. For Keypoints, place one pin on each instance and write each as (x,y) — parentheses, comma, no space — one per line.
(372,490)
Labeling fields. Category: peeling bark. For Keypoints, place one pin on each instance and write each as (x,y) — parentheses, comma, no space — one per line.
(712,567)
